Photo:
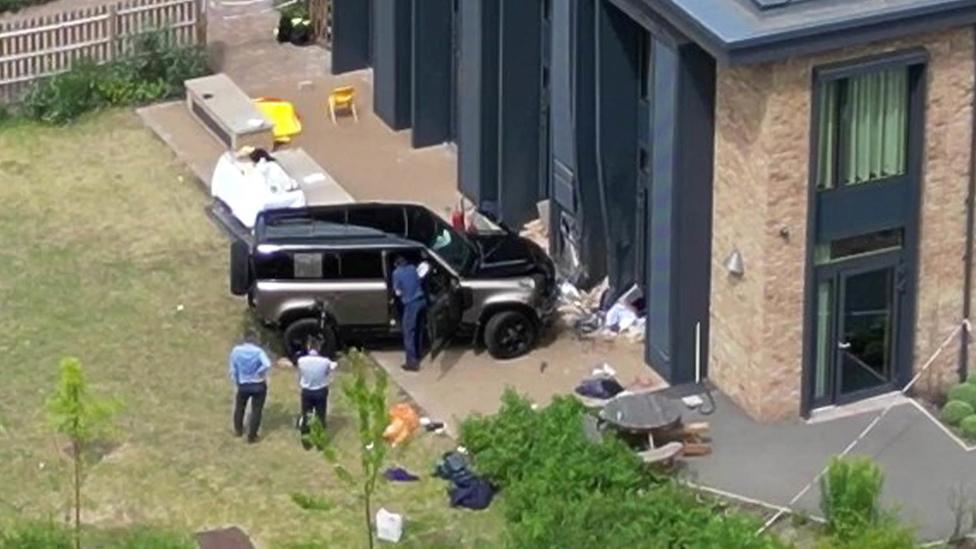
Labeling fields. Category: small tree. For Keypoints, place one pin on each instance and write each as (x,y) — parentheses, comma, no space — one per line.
(82,418)
(368,396)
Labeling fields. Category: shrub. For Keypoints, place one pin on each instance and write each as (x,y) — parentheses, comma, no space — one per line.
(155,69)
(968,427)
(561,490)
(954,411)
(849,493)
(965,392)
(971,380)
(17,5)
(36,535)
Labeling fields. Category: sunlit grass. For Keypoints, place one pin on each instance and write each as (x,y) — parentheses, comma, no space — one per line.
(102,237)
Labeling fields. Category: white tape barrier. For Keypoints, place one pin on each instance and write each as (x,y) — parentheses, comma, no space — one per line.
(850,447)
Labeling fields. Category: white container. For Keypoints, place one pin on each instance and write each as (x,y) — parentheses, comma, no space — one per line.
(389,526)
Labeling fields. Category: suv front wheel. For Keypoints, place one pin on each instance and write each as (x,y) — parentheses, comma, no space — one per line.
(298,334)
(510,334)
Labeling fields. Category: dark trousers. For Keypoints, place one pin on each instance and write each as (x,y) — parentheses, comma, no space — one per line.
(414,325)
(256,393)
(317,401)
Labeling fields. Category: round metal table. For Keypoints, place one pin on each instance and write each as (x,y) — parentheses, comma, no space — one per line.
(642,414)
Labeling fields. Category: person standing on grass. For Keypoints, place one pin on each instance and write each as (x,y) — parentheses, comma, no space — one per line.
(314,376)
(248,368)
(408,288)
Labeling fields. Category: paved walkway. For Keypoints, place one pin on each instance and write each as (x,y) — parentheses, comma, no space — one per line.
(772,463)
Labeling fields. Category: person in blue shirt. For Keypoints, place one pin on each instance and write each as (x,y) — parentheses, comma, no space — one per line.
(409,290)
(248,367)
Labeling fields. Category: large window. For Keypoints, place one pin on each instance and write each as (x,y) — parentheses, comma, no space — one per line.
(863,133)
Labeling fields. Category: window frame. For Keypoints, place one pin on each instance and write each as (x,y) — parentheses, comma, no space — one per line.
(915,61)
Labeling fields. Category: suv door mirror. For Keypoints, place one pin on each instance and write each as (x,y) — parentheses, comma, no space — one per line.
(240,268)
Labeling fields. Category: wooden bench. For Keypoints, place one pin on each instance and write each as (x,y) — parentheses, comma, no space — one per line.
(228,113)
(662,454)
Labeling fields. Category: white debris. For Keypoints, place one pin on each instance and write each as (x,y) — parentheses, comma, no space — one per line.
(389,526)
(179,308)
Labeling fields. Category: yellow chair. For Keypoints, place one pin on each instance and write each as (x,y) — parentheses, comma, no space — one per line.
(343,98)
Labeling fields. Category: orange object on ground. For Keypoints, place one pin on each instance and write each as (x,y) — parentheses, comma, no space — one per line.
(404,421)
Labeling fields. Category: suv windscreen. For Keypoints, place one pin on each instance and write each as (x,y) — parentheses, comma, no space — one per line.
(441,238)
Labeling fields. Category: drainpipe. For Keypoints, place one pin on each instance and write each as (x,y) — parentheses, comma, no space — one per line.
(970,221)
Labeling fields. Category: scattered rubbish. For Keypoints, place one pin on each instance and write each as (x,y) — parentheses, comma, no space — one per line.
(389,526)
(305,85)
(599,387)
(693,401)
(462,450)
(179,308)
(604,370)
(404,421)
(41,465)
(620,317)
(467,490)
(399,474)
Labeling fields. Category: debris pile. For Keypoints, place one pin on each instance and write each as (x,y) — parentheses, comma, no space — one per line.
(537,233)
(591,318)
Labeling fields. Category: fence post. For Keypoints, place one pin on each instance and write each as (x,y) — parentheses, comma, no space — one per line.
(200,15)
(113,32)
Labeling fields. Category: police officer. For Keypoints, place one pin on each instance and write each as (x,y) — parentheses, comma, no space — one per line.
(409,290)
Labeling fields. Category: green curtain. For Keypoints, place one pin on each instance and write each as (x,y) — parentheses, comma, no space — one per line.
(876,124)
(828,136)
(825,304)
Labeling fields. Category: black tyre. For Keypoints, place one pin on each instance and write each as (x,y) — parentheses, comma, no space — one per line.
(301,332)
(510,334)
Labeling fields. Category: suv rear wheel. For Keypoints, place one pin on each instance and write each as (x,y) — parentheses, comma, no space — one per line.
(300,332)
(510,334)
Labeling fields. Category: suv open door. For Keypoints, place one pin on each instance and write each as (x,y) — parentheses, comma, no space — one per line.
(446,300)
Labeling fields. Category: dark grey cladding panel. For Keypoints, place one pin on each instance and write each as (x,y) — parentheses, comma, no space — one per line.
(350,35)
(391,61)
(431,62)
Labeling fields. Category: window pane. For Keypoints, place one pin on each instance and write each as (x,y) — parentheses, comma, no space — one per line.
(275,266)
(875,126)
(362,266)
(388,219)
(825,307)
(308,265)
(860,245)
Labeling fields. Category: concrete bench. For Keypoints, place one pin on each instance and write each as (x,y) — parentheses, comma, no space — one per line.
(317,185)
(228,113)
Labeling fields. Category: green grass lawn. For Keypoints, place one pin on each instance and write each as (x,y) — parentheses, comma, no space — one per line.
(102,236)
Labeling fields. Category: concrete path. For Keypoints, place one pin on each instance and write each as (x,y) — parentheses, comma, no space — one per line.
(462,382)
(772,463)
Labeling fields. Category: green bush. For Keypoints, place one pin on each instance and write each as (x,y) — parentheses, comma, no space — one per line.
(154,70)
(850,493)
(965,392)
(954,411)
(36,535)
(49,535)
(17,5)
(561,490)
(968,427)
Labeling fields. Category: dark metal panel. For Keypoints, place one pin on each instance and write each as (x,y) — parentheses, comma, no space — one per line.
(478,102)
(661,218)
(350,35)
(391,61)
(695,142)
(432,89)
(519,136)
(592,238)
(617,129)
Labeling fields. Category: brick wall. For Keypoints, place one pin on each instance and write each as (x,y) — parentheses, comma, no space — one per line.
(761,184)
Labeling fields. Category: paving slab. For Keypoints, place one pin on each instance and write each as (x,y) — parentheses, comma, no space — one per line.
(773,462)
(462,381)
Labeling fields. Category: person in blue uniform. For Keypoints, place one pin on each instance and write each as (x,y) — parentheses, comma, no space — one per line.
(409,290)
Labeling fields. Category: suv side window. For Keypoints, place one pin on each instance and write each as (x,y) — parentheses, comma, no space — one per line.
(389,219)
(316,266)
(297,266)
(362,265)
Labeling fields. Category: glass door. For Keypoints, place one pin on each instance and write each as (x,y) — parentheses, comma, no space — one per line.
(866,331)
(856,322)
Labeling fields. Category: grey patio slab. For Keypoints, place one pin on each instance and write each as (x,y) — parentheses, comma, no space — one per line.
(773,462)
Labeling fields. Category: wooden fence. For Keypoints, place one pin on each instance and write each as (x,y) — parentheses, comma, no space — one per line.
(33,49)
